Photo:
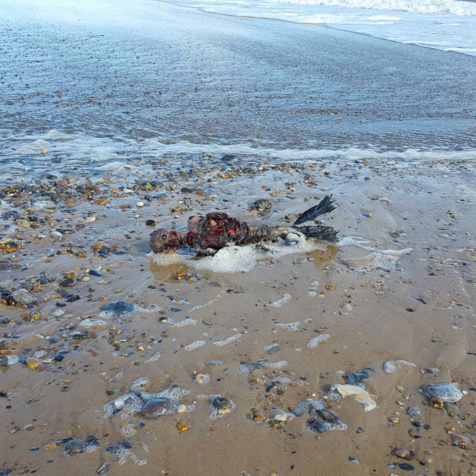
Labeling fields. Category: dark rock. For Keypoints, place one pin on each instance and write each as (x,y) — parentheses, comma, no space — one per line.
(150,222)
(59,356)
(95,272)
(71,297)
(354,378)
(67,283)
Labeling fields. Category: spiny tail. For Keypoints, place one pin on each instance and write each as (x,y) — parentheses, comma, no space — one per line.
(320,232)
(326,205)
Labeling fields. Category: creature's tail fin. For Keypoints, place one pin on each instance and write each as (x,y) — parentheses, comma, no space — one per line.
(320,232)
(326,205)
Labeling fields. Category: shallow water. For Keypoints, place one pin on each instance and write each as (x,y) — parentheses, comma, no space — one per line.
(123,83)
(446,25)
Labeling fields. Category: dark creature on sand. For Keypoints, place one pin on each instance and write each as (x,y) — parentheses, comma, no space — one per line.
(212,232)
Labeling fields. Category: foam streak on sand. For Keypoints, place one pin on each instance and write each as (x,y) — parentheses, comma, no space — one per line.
(201,306)
(289,326)
(318,340)
(279,302)
(231,339)
(186,322)
(195,345)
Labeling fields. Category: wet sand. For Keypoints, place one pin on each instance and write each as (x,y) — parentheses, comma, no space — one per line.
(371,316)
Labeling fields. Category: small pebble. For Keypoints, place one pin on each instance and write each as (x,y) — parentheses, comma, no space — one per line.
(413,411)
(95,272)
(32,363)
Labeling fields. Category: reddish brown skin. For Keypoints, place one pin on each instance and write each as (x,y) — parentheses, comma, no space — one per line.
(216,230)
(211,232)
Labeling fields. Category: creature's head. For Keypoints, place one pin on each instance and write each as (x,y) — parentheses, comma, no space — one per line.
(166,241)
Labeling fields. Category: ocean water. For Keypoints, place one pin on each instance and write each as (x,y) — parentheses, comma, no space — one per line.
(447,25)
(107,86)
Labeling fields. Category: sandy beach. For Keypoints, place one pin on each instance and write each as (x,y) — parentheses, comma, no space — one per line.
(254,332)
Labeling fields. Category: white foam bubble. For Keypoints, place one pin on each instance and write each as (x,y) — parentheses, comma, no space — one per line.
(277,365)
(318,340)
(186,322)
(279,302)
(313,288)
(247,367)
(289,326)
(195,345)
(231,339)
(288,380)
(128,430)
